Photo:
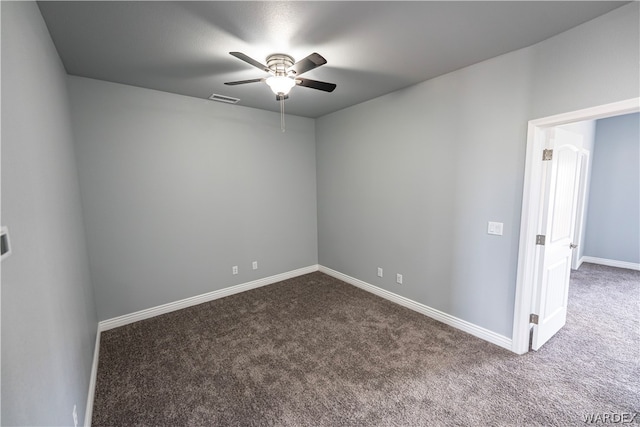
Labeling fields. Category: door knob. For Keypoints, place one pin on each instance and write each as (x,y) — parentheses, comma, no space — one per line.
(573,245)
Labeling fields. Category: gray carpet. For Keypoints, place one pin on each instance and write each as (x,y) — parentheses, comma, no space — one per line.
(314,351)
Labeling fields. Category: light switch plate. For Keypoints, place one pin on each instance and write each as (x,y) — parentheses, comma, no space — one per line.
(495,228)
(4,243)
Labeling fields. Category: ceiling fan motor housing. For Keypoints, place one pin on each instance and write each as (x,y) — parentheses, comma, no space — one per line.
(279,63)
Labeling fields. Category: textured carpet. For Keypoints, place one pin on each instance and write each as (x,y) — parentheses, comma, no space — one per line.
(314,351)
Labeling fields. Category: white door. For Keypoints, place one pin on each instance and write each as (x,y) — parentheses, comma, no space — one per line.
(557,225)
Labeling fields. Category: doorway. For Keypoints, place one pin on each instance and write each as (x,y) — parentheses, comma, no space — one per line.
(527,287)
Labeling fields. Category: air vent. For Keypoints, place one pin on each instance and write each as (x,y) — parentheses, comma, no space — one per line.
(223,98)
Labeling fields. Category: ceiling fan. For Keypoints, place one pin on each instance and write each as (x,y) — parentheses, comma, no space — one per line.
(285,73)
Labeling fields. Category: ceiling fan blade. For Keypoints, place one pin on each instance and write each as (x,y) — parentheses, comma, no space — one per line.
(314,84)
(249,60)
(309,63)
(242,82)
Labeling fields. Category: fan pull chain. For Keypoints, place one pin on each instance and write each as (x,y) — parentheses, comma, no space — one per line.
(282,113)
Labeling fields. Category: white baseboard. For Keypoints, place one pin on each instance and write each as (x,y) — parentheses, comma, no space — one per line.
(199,299)
(463,325)
(611,262)
(88,411)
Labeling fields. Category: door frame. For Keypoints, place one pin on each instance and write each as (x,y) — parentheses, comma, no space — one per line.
(583,199)
(531,203)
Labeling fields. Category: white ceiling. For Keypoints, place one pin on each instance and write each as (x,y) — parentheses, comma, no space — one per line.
(372,48)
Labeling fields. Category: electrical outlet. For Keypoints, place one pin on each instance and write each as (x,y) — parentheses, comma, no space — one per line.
(399,279)
(254,265)
(75,416)
(234,269)
(379,272)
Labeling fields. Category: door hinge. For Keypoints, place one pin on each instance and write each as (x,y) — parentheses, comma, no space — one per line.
(547,154)
(533,318)
(540,239)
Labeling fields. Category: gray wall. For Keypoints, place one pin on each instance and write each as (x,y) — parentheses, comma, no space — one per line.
(592,64)
(177,190)
(408,181)
(48,314)
(613,216)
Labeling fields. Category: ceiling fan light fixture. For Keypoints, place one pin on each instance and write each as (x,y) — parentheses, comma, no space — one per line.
(281,85)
